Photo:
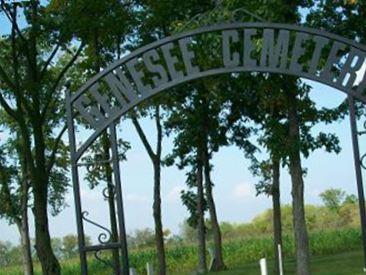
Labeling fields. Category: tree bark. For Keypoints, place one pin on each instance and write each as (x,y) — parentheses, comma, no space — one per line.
(218,263)
(201,232)
(159,234)
(25,243)
(277,223)
(48,260)
(22,223)
(40,182)
(298,208)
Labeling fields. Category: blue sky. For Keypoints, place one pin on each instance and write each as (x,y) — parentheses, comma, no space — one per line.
(234,185)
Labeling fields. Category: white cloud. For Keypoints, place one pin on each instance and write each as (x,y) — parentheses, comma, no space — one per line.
(361,74)
(243,191)
(174,194)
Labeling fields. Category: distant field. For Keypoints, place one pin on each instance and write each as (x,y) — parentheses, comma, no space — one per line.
(334,252)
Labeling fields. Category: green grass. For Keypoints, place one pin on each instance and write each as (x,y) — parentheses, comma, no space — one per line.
(241,255)
(347,263)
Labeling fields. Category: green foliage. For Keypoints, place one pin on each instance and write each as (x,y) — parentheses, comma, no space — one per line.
(96,171)
(10,255)
(333,198)
(69,246)
(341,17)
(5,259)
(10,206)
(141,239)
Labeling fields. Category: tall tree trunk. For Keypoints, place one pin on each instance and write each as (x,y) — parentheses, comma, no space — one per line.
(38,178)
(218,263)
(298,208)
(277,224)
(40,182)
(201,232)
(111,203)
(156,161)
(159,234)
(25,243)
(22,223)
(48,260)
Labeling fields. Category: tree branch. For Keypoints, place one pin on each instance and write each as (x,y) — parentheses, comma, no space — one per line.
(8,14)
(54,150)
(143,138)
(49,60)
(48,100)
(6,78)
(17,90)
(7,108)
(159,131)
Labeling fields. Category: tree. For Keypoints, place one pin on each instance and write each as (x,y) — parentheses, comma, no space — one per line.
(196,123)
(69,247)
(157,18)
(197,206)
(350,199)
(37,58)
(4,253)
(14,193)
(297,132)
(333,198)
(142,238)
(103,40)
(155,157)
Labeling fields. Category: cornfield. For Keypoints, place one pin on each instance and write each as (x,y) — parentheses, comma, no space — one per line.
(236,252)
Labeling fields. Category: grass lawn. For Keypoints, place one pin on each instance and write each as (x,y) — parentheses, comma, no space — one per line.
(349,263)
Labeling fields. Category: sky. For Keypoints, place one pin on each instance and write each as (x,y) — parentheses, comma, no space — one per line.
(234,190)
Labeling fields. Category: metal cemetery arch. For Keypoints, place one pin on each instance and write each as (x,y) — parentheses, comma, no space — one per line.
(283,49)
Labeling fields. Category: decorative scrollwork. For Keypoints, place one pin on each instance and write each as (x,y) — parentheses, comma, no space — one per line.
(364,131)
(98,256)
(109,192)
(363,157)
(363,161)
(103,237)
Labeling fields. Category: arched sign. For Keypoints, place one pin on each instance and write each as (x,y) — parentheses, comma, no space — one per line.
(233,47)
(285,49)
